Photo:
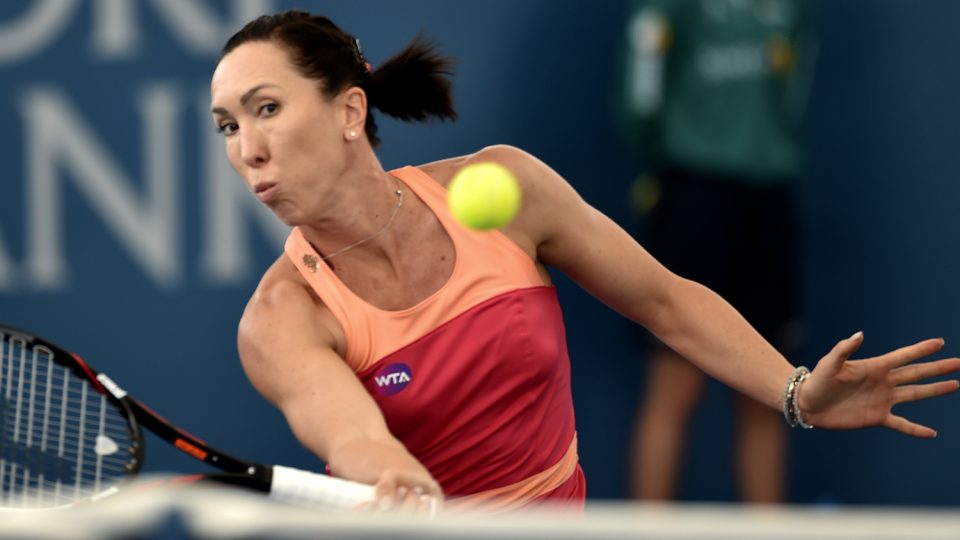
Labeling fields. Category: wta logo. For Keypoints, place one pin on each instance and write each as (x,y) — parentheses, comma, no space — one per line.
(392,379)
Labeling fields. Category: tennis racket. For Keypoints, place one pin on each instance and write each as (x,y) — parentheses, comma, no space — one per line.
(68,433)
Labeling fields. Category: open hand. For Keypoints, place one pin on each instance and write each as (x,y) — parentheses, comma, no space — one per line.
(845,394)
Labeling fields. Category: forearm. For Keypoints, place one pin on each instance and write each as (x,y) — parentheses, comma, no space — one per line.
(366,459)
(702,327)
(351,437)
(363,450)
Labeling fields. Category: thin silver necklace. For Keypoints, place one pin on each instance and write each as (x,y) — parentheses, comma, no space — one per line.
(396,210)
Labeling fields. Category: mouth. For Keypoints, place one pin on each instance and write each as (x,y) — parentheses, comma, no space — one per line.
(265,191)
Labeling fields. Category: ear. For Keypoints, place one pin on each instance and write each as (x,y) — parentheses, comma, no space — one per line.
(355,112)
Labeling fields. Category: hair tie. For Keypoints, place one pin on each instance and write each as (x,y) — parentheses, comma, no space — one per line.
(361,59)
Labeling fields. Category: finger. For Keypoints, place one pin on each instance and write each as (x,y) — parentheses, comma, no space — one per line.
(905,355)
(904,394)
(385,495)
(417,482)
(401,500)
(365,507)
(431,504)
(428,500)
(386,503)
(841,352)
(416,501)
(903,425)
(913,373)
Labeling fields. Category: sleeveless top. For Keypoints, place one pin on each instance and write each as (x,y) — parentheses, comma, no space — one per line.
(475,379)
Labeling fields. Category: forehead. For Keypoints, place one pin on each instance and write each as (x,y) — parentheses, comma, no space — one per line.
(250,64)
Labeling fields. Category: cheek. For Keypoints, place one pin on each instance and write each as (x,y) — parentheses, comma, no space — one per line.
(307,146)
(232,150)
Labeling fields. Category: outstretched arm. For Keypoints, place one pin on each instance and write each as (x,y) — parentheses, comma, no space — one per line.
(693,320)
(288,354)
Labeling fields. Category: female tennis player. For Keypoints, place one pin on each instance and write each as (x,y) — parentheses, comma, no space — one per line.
(428,359)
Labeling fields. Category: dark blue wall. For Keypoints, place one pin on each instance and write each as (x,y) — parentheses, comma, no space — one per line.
(876,202)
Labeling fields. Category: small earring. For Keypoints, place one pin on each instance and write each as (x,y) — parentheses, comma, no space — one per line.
(352,134)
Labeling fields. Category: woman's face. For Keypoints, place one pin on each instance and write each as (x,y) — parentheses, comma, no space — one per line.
(284,138)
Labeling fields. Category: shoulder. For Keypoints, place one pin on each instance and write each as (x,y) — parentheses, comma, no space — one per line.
(281,301)
(523,164)
(279,284)
(547,200)
(285,333)
(542,187)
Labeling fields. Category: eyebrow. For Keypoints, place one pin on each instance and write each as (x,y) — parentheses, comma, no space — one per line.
(245,97)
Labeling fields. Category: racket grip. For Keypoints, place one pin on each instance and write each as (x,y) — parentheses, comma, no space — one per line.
(312,489)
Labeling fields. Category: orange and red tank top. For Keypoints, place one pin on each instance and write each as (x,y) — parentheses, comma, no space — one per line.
(474,379)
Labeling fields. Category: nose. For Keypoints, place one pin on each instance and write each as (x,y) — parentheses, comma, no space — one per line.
(253,147)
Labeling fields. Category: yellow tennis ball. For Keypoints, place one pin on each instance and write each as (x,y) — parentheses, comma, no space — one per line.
(484,196)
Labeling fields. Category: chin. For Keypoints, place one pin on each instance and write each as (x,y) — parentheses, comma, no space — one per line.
(289,214)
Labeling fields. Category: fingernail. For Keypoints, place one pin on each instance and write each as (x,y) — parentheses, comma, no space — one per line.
(858,335)
(401,492)
(432,505)
(385,503)
(418,491)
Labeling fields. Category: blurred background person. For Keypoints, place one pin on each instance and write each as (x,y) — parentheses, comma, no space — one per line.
(714,91)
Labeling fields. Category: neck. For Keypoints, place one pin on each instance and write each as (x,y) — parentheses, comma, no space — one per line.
(365,215)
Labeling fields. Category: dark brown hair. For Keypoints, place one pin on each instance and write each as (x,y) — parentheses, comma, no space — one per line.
(412,85)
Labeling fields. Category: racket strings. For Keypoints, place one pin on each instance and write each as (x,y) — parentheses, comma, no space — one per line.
(60,440)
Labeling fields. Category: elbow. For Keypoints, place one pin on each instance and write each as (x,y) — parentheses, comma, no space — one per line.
(661,312)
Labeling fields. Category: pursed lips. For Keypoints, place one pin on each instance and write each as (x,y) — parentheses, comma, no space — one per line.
(265,191)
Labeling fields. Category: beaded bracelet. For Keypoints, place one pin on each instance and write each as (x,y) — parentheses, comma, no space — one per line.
(791,403)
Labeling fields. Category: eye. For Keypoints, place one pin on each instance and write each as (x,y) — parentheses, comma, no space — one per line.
(268,109)
(227,128)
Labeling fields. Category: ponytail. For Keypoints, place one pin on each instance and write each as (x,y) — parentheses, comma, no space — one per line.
(414,84)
